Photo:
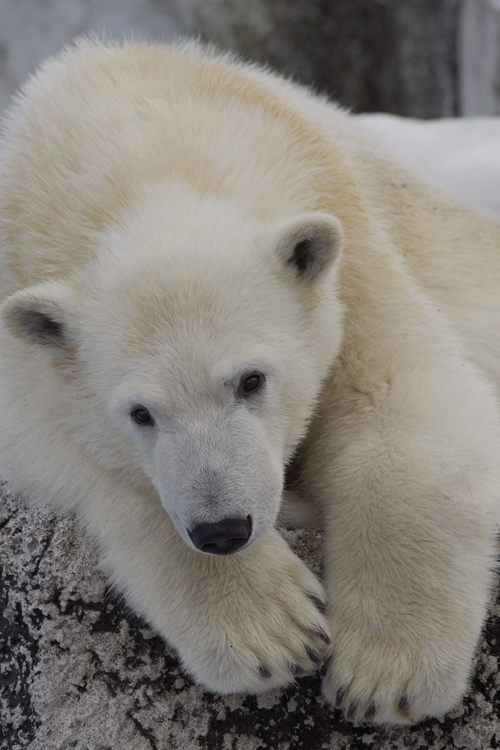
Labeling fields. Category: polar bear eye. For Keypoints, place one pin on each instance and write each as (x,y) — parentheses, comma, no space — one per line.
(141,416)
(249,384)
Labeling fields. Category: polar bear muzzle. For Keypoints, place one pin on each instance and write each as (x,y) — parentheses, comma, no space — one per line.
(222,538)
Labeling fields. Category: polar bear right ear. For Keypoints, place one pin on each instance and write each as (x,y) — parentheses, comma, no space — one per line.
(40,314)
(309,243)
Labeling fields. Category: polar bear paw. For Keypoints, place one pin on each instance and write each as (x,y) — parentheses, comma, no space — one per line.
(266,628)
(376,680)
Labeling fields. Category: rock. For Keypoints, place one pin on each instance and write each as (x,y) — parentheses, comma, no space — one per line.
(391,55)
(79,670)
(422,58)
(479,57)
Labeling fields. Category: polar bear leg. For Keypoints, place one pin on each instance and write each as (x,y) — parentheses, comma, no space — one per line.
(409,550)
(241,623)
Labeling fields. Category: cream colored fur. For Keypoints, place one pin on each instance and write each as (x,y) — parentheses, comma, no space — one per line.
(172,220)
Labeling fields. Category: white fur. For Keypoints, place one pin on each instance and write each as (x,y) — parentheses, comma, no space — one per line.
(172,221)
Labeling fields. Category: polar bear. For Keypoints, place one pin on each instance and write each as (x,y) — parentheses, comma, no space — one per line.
(211,284)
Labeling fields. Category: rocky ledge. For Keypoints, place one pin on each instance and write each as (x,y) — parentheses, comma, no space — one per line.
(78,670)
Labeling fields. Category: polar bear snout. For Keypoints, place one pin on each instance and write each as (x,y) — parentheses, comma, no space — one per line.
(223,537)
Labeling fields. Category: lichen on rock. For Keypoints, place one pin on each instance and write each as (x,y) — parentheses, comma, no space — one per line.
(79,670)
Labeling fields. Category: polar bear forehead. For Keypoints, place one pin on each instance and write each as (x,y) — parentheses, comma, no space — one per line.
(202,304)
(180,260)
(192,279)
(164,335)
(171,218)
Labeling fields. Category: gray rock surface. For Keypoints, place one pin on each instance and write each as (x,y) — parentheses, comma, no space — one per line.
(391,55)
(479,57)
(78,670)
(415,57)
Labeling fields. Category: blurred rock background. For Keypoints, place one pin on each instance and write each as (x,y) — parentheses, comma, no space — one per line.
(423,58)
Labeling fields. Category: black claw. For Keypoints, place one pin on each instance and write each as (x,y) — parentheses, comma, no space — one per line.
(264,672)
(325,667)
(318,603)
(404,705)
(324,637)
(314,656)
(351,711)
(370,711)
(297,670)
(340,697)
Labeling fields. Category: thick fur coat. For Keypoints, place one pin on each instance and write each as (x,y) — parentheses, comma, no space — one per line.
(210,276)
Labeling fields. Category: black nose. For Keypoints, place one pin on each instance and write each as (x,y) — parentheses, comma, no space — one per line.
(223,537)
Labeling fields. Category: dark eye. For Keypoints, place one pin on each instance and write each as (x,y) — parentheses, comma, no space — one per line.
(249,384)
(141,416)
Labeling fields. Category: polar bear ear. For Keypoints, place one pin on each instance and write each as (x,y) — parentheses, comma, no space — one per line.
(309,243)
(40,314)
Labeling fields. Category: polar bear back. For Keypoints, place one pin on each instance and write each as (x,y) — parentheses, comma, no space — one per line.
(95,125)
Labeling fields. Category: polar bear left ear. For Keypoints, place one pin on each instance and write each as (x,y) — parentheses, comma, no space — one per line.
(40,314)
(309,243)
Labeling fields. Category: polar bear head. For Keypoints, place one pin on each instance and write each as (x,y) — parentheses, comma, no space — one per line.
(189,355)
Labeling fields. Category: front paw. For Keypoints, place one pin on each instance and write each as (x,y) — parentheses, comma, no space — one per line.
(260,626)
(380,680)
